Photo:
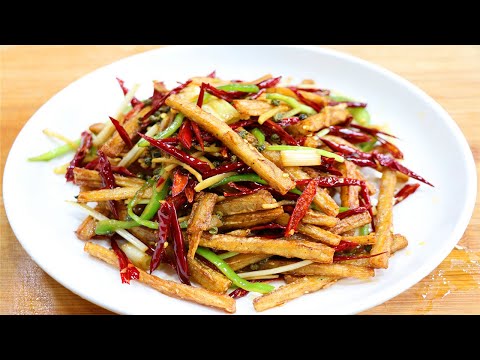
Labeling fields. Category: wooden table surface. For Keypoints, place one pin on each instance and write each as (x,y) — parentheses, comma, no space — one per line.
(30,75)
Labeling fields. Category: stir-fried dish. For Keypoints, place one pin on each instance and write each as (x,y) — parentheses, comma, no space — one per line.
(234,187)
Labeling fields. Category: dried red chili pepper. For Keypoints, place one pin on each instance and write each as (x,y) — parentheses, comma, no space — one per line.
(303,203)
(362,162)
(350,104)
(122,132)
(355,137)
(180,181)
(136,109)
(198,134)
(242,190)
(255,96)
(243,123)
(134,100)
(179,201)
(185,134)
(269,83)
(289,121)
(85,145)
(347,150)
(127,270)
(405,192)
(391,148)
(178,247)
(190,191)
(158,98)
(162,236)
(331,181)
(393,164)
(357,210)
(312,90)
(371,131)
(236,166)
(222,94)
(271,126)
(212,75)
(314,105)
(160,181)
(108,180)
(345,246)
(198,165)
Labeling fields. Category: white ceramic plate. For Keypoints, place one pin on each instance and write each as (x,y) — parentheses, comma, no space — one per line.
(433,220)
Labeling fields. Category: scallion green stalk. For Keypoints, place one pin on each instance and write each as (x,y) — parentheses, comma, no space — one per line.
(232,275)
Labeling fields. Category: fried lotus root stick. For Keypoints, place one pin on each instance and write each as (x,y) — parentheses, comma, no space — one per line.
(251,107)
(351,222)
(112,194)
(167,287)
(199,220)
(92,179)
(330,115)
(240,261)
(384,220)
(317,218)
(275,177)
(244,203)
(86,230)
(301,249)
(208,278)
(242,221)
(334,270)
(293,290)
(314,232)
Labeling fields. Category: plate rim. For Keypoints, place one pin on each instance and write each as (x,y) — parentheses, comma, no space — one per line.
(424,270)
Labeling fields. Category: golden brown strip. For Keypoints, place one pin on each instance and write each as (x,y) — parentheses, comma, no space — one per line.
(92,179)
(384,220)
(252,107)
(208,278)
(145,235)
(86,230)
(200,219)
(334,270)
(170,288)
(279,180)
(351,222)
(283,91)
(399,242)
(96,128)
(318,99)
(242,221)
(299,287)
(362,240)
(240,261)
(349,194)
(114,146)
(239,232)
(314,232)
(322,199)
(112,194)
(316,218)
(244,203)
(330,115)
(301,249)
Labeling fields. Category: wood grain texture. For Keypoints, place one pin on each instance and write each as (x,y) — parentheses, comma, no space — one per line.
(30,75)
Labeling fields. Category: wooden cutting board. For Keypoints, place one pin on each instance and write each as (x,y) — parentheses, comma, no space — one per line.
(30,75)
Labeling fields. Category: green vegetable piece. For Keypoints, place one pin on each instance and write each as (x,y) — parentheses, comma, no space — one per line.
(169,131)
(293,103)
(232,275)
(52,154)
(259,136)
